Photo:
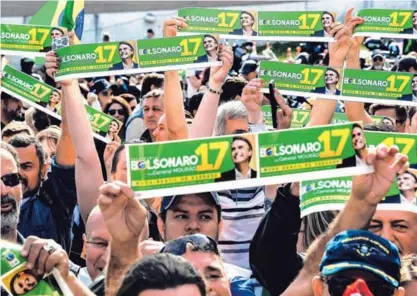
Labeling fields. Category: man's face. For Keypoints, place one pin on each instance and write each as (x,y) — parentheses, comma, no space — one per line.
(125,51)
(104,96)
(121,168)
(161,133)
(246,20)
(399,227)
(212,271)
(209,44)
(30,170)
(55,98)
(240,152)
(56,34)
(153,110)
(415,20)
(406,182)
(378,62)
(24,283)
(11,197)
(326,20)
(189,215)
(358,139)
(234,126)
(97,249)
(330,77)
(414,84)
(13,109)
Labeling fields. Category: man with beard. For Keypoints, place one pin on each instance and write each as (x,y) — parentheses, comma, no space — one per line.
(241,156)
(331,79)
(247,20)
(327,19)
(359,145)
(11,109)
(11,194)
(210,45)
(126,52)
(49,197)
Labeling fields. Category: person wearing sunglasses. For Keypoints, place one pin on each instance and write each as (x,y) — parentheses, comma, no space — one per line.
(358,262)
(378,61)
(118,108)
(11,193)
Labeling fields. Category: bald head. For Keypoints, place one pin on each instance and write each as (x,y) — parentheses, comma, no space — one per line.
(95,221)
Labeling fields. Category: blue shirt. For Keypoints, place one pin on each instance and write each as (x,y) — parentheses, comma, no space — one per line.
(49,214)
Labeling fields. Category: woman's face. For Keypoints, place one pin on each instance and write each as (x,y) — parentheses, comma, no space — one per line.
(24,283)
(116,110)
(55,98)
(113,127)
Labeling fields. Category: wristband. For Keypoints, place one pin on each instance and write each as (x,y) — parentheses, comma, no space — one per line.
(213,91)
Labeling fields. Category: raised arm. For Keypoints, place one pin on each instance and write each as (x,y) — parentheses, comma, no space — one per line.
(203,123)
(367,191)
(87,169)
(126,221)
(323,110)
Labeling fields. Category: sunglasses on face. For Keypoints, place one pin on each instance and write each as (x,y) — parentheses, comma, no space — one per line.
(199,242)
(11,180)
(119,111)
(377,59)
(337,286)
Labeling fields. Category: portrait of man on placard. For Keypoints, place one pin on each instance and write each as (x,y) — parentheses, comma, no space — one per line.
(359,145)
(127,53)
(247,23)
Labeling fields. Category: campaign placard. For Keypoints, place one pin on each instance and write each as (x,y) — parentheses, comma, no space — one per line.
(392,88)
(391,23)
(39,95)
(16,279)
(302,80)
(296,25)
(140,56)
(241,161)
(231,24)
(332,194)
(27,40)
(300,117)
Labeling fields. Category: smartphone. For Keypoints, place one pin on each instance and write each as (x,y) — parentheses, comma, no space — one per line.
(60,42)
(274,105)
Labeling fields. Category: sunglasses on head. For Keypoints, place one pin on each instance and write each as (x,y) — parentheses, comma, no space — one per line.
(11,180)
(119,111)
(199,242)
(337,286)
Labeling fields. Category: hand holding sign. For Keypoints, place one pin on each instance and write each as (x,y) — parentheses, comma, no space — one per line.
(52,64)
(219,73)
(172,25)
(284,115)
(124,216)
(252,99)
(387,162)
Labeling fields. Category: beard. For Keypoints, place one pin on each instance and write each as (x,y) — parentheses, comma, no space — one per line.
(31,192)
(9,220)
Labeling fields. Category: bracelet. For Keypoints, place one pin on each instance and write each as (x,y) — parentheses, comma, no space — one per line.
(213,91)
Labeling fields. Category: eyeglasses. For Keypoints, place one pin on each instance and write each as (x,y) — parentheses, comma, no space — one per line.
(200,242)
(11,180)
(119,111)
(337,286)
(101,245)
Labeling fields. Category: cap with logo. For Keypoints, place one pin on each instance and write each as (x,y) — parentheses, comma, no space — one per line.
(360,249)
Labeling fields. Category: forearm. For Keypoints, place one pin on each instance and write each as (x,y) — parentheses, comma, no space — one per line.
(174,106)
(121,257)
(203,123)
(77,287)
(355,111)
(65,152)
(88,174)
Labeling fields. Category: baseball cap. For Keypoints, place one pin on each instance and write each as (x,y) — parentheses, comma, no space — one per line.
(248,67)
(101,85)
(168,201)
(377,53)
(361,249)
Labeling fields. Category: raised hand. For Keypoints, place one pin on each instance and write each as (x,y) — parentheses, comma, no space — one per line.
(387,162)
(171,26)
(109,154)
(219,73)
(252,97)
(52,64)
(284,115)
(123,214)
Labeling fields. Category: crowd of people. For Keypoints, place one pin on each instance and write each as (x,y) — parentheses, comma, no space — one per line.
(64,195)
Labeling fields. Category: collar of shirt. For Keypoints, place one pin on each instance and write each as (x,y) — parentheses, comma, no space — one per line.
(404,200)
(128,67)
(359,161)
(239,175)
(414,31)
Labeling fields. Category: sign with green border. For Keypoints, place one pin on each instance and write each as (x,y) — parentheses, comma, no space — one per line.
(240,161)
(391,23)
(25,40)
(140,56)
(332,194)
